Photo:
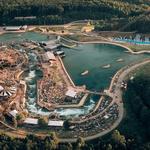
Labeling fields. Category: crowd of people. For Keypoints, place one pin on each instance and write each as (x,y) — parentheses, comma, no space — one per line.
(93,126)
(52,92)
(105,101)
(53,87)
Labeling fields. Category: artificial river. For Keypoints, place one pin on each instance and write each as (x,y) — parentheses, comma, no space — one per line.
(91,57)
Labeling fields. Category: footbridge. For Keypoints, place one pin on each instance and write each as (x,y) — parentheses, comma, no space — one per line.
(60,41)
(67,42)
(97,93)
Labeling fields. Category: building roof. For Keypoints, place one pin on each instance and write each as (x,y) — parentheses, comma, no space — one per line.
(13,113)
(1,88)
(59,52)
(106,116)
(1,94)
(71,93)
(31,121)
(51,46)
(13,28)
(50,56)
(51,42)
(27,17)
(8,92)
(56,123)
(5,93)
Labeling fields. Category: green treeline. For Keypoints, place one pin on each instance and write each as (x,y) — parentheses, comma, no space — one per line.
(138,107)
(114,141)
(136,123)
(58,12)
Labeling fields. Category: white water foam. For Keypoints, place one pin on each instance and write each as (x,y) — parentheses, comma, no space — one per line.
(63,112)
(31,75)
(33,108)
(32,86)
(76,111)
(33,56)
(31,100)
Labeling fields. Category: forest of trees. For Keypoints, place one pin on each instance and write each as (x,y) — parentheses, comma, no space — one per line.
(58,12)
(136,123)
(115,141)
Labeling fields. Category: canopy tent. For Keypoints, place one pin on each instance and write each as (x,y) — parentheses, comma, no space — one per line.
(1,88)
(56,123)
(32,121)
(50,56)
(13,113)
(71,93)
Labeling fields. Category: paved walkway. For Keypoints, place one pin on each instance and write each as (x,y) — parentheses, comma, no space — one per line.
(106,41)
(118,92)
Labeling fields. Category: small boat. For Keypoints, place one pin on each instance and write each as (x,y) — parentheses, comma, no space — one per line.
(106,66)
(119,60)
(62,56)
(85,73)
(60,53)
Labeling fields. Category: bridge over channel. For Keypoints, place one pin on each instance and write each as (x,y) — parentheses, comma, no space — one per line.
(60,41)
(67,42)
(97,93)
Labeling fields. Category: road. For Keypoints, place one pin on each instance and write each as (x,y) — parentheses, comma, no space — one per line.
(122,73)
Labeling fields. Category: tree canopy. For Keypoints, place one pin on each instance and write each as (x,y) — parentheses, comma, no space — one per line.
(58,12)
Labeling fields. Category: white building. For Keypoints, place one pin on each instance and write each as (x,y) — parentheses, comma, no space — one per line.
(31,121)
(54,123)
(48,56)
(13,28)
(24,27)
(71,93)
(7,92)
(13,113)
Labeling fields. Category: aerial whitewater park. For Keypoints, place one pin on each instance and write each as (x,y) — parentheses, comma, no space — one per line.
(75,75)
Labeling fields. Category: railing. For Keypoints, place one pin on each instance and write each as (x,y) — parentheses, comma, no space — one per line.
(67,43)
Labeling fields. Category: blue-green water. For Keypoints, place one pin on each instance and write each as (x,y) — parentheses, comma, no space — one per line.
(91,57)
(8,37)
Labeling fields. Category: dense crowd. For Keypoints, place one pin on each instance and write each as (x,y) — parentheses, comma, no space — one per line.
(52,92)
(94,125)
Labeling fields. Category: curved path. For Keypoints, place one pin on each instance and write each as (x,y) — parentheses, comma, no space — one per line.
(7,126)
(111,43)
(117,97)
